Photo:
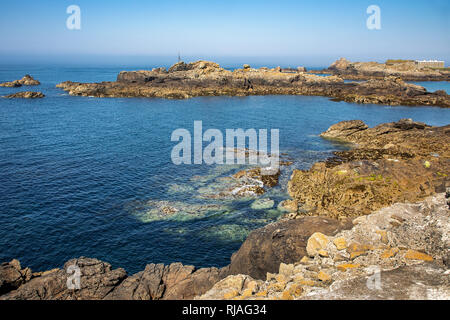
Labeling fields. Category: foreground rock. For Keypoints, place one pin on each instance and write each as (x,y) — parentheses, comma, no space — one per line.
(99,281)
(407,70)
(27,80)
(283,241)
(393,162)
(427,281)
(203,78)
(376,259)
(12,276)
(166,282)
(25,95)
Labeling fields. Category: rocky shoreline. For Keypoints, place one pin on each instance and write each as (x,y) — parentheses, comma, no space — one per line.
(407,70)
(203,78)
(379,205)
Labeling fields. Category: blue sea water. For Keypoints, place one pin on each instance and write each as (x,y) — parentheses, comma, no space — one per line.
(433,86)
(75,172)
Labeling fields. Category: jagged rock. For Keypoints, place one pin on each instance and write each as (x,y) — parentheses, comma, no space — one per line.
(26,95)
(12,276)
(284,241)
(96,281)
(158,281)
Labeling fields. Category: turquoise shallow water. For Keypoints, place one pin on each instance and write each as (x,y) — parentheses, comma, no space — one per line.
(77,174)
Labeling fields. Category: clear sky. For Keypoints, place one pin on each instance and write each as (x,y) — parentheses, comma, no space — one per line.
(294,31)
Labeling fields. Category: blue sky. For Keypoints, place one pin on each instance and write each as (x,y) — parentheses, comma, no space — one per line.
(297,32)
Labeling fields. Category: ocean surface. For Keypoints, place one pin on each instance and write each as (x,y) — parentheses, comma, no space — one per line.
(79,176)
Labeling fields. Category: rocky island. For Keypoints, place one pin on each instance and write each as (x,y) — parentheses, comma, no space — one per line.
(27,80)
(375,216)
(25,95)
(203,78)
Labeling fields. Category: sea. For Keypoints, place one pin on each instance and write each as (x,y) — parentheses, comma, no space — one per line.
(84,176)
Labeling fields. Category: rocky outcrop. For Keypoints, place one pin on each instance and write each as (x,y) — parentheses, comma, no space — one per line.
(25,95)
(283,241)
(398,252)
(344,129)
(27,80)
(158,281)
(393,162)
(99,281)
(203,78)
(404,69)
(12,276)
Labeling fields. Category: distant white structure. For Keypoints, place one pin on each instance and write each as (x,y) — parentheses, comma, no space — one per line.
(430,63)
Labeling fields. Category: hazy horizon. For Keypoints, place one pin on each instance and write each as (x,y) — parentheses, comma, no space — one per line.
(286,33)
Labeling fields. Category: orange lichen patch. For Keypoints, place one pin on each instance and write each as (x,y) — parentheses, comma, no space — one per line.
(306,282)
(230,294)
(389,253)
(416,255)
(247,293)
(286,295)
(277,286)
(344,267)
(324,277)
(340,243)
(358,249)
(261,293)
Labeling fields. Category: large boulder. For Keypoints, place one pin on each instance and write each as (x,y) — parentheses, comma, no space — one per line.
(280,242)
